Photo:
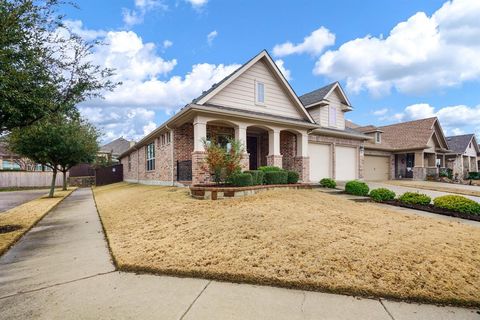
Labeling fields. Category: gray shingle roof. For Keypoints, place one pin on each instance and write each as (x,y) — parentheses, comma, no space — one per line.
(316,95)
(117,146)
(459,144)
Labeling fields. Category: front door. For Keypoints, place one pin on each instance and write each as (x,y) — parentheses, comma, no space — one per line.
(252,145)
(410,163)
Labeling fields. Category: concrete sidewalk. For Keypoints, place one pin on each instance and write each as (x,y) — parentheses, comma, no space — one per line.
(62,270)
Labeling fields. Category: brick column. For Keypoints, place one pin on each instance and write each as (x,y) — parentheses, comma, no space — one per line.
(200,172)
(245,162)
(274,160)
(302,166)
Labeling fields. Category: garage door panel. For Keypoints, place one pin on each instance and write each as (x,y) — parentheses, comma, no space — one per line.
(320,161)
(345,163)
(376,168)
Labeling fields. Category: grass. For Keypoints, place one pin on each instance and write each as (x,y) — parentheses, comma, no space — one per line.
(435,186)
(302,239)
(26,216)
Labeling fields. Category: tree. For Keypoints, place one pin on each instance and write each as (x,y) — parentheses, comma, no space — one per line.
(57,142)
(45,69)
(222,161)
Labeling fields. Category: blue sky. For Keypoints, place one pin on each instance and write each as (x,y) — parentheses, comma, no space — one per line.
(397,60)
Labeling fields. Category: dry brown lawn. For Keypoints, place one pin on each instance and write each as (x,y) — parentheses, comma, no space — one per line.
(27,215)
(303,239)
(437,186)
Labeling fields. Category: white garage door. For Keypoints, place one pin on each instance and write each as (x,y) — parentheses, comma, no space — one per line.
(345,163)
(376,168)
(320,161)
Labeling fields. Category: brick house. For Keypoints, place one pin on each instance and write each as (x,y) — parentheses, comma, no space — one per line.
(256,105)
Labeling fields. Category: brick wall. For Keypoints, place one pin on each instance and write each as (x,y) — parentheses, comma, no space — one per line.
(288,149)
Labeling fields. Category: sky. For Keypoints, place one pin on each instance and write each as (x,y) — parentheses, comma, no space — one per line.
(397,60)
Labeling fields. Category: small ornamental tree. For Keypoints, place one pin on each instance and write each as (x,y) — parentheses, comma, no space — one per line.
(222,162)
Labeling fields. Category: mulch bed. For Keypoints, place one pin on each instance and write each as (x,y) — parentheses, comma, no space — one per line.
(10,228)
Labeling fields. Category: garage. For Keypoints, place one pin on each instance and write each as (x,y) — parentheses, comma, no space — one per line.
(376,168)
(345,163)
(320,161)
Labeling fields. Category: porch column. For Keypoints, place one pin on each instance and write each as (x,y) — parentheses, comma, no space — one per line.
(241,135)
(419,171)
(302,161)
(199,174)
(274,157)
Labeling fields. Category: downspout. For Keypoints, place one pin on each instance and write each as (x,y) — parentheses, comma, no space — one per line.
(172,145)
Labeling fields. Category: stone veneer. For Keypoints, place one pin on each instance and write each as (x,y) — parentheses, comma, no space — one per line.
(274,160)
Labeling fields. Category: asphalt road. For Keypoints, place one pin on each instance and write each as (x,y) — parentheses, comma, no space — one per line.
(11,199)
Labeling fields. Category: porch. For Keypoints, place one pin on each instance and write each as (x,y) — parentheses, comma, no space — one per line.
(419,165)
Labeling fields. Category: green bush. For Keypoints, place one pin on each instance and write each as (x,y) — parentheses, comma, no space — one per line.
(257,176)
(328,183)
(269,168)
(242,179)
(446,172)
(458,204)
(292,177)
(382,194)
(276,177)
(415,198)
(357,188)
(473,175)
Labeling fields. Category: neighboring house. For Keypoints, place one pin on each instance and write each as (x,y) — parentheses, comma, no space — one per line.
(115,148)
(463,158)
(12,161)
(256,105)
(413,149)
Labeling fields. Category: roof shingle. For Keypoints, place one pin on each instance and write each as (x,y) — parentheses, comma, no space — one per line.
(316,95)
(459,144)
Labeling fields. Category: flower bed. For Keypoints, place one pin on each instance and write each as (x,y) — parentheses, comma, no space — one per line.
(215,192)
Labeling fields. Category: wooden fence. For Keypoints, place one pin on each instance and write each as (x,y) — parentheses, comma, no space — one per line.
(21,179)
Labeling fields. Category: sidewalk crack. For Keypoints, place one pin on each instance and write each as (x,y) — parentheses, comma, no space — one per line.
(195,300)
(386,310)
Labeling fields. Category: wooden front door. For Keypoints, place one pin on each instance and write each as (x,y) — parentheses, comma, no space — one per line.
(252,147)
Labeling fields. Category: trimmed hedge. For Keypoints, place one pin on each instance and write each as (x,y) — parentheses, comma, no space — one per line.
(328,183)
(457,204)
(242,179)
(415,198)
(269,168)
(276,177)
(357,188)
(257,176)
(473,175)
(292,177)
(382,194)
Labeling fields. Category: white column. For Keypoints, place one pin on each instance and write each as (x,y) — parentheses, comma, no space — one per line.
(241,134)
(274,142)
(302,145)
(199,133)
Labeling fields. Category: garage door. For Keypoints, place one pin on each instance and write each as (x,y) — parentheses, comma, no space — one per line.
(345,163)
(320,161)
(376,168)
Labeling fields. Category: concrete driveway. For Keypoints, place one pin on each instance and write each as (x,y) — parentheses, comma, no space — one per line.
(62,270)
(11,199)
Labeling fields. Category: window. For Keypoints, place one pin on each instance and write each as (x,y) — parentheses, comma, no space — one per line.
(150,152)
(259,92)
(11,165)
(162,140)
(169,138)
(129,163)
(378,137)
(332,116)
(165,139)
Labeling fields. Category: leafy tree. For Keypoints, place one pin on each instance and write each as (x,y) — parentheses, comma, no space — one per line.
(45,69)
(223,161)
(57,142)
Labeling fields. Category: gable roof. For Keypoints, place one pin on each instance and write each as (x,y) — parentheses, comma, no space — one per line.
(117,146)
(206,95)
(317,96)
(459,144)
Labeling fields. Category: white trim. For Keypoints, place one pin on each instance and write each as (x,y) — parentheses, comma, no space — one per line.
(337,85)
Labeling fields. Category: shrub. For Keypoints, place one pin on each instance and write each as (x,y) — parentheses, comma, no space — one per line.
(473,175)
(382,194)
(328,183)
(257,176)
(357,188)
(446,172)
(292,176)
(269,168)
(242,179)
(221,162)
(458,204)
(276,177)
(415,198)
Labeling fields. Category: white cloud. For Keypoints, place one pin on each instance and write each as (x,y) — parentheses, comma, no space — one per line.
(380,112)
(76,27)
(281,65)
(136,16)
(313,44)
(457,131)
(167,44)
(211,36)
(197,3)
(419,54)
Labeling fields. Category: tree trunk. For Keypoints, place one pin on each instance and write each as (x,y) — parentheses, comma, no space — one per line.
(64,180)
(54,179)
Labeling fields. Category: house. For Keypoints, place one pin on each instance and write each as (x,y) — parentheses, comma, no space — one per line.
(414,149)
(463,158)
(12,161)
(256,105)
(115,148)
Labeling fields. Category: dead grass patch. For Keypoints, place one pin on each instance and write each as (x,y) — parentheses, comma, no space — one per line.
(26,216)
(303,239)
(449,188)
